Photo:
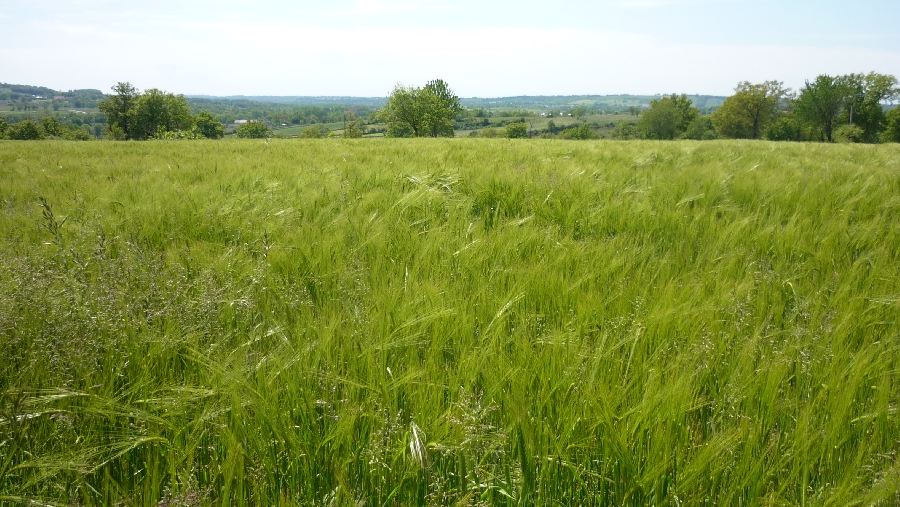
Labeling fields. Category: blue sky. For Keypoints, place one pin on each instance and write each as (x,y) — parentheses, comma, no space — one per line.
(480,47)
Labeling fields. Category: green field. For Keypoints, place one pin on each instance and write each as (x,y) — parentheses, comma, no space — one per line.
(449,322)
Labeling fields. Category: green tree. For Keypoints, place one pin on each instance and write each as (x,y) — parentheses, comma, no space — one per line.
(208,125)
(821,103)
(625,130)
(701,129)
(119,111)
(864,105)
(667,118)
(427,111)
(352,127)
(312,132)
(157,111)
(253,130)
(51,126)
(749,112)
(518,130)
(581,132)
(785,128)
(3,127)
(578,111)
(25,131)
(443,107)
(891,132)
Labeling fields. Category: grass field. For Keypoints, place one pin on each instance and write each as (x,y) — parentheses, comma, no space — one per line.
(449,322)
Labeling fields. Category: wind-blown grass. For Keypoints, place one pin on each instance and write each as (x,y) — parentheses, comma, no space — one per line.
(449,322)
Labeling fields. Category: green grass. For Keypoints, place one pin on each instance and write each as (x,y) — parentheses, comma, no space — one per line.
(449,322)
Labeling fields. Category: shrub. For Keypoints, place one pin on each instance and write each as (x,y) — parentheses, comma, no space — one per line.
(625,130)
(311,132)
(517,130)
(701,129)
(25,131)
(848,134)
(208,126)
(891,132)
(253,130)
(785,128)
(580,132)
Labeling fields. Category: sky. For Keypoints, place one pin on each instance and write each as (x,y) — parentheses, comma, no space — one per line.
(481,48)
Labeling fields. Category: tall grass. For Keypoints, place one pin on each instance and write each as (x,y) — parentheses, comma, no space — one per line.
(449,322)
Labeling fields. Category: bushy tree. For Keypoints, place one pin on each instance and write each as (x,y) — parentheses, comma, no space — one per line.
(667,118)
(156,111)
(253,130)
(581,132)
(701,129)
(119,110)
(785,128)
(849,134)
(208,125)
(821,103)
(3,127)
(625,130)
(891,132)
(427,111)
(26,130)
(52,127)
(518,130)
(864,104)
(749,112)
(312,132)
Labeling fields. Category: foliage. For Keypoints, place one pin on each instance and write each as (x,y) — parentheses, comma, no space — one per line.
(821,103)
(701,129)
(461,322)
(352,127)
(253,130)
(891,132)
(849,134)
(155,110)
(625,130)
(208,126)
(581,132)
(749,112)
(518,130)
(26,130)
(312,132)
(667,118)
(785,128)
(578,111)
(119,109)
(424,111)
(864,105)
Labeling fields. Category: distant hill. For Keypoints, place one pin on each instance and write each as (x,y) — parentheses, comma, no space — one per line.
(9,91)
(617,102)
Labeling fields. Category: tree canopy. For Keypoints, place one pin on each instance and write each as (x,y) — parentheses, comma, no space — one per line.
(667,118)
(751,110)
(420,112)
(154,113)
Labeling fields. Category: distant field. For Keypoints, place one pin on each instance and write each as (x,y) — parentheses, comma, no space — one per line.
(449,322)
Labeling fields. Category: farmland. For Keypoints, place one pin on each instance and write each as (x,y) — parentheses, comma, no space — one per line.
(449,322)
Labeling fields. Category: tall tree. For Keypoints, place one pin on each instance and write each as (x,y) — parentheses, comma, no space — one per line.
(864,105)
(821,103)
(751,110)
(119,110)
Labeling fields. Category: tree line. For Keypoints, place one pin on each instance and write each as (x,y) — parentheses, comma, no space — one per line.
(155,114)
(848,108)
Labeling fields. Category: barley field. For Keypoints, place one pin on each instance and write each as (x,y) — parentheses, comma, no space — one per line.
(453,322)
